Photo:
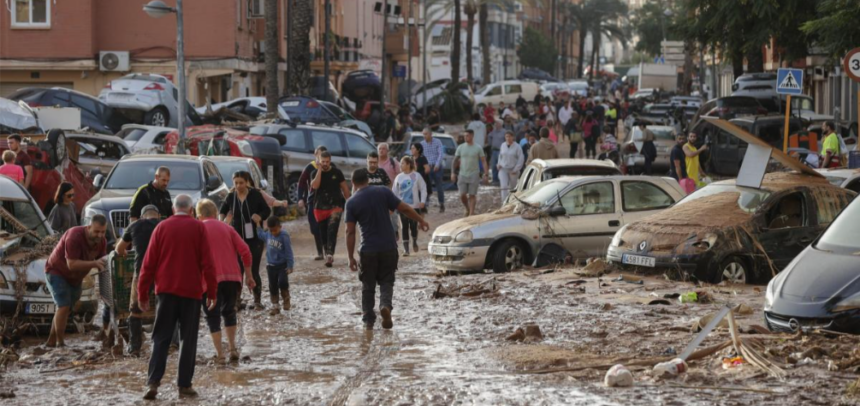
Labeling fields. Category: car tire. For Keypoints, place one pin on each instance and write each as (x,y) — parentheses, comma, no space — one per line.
(57,139)
(293,188)
(508,256)
(734,269)
(157,117)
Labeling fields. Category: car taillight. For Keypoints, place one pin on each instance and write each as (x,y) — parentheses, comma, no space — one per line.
(107,86)
(631,149)
(153,86)
(761,110)
(312,104)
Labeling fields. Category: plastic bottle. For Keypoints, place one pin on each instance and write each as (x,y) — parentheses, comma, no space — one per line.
(674,367)
(618,376)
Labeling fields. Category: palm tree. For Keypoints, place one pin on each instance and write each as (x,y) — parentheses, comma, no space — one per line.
(581,14)
(470,9)
(300,49)
(456,42)
(271,56)
(604,21)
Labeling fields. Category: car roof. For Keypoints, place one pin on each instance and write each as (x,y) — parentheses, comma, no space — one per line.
(763,119)
(221,158)
(147,127)
(12,189)
(440,135)
(781,181)
(62,89)
(163,157)
(104,137)
(655,127)
(843,173)
(557,163)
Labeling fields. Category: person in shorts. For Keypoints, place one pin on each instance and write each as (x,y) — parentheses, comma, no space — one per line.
(80,250)
(466,159)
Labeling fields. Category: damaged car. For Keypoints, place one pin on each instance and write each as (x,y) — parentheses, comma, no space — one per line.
(26,242)
(568,217)
(737,234)
(820,289)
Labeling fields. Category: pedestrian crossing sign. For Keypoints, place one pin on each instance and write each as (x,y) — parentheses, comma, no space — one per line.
(789,81)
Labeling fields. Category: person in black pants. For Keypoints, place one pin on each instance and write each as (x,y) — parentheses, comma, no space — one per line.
(244,208)
(330,194)
(306,199)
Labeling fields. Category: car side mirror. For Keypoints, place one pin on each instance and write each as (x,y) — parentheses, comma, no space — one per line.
(98,181)
(556,211)
(264,183)
(212,183)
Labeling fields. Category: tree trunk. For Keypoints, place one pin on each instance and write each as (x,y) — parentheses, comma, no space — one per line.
(300,49)
(470,26)
(457,43)
(483,32)
(737,58)
(271,57)
(755,60)
(583,30)
(595,50)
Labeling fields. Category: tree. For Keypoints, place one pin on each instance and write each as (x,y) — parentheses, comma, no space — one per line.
(470,9)
(537,51)
(836,26)
(457,44)
(271,57)
(605,16)
(484,33)
(300,48)
(649,23)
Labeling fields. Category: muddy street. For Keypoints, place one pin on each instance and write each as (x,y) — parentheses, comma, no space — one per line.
(455,350)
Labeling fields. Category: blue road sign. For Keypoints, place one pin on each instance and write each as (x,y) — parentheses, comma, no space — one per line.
(400,71)
(789,81)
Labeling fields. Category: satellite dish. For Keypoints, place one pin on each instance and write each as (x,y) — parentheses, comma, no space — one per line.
(110,61)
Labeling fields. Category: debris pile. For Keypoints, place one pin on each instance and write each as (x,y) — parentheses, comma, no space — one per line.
(475,290)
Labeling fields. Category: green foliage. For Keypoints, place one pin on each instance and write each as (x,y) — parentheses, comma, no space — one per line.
(649,22)
(836,27)
(537,51)
(454,108)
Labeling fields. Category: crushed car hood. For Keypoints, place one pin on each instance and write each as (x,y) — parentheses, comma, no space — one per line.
(35,271)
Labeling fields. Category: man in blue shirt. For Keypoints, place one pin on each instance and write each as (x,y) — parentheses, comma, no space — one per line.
(369,207)
(435,154)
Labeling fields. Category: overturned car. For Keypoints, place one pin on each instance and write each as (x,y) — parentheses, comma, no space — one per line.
(726,232)
(26,241)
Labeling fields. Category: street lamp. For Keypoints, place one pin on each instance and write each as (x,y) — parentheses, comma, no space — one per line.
(158,9)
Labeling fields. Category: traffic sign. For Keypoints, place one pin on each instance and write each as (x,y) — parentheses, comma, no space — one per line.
(851,63)
(789,81)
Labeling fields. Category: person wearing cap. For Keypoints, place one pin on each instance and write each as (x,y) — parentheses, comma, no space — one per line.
(137,236)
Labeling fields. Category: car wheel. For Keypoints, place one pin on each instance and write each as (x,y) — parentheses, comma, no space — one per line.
(157,117)
(733,270)
(293,188)
(57,139)
(509,256)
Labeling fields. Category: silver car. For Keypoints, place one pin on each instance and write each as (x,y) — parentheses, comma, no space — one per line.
(540,170)
(567,216)
(664,141)
(97,154)
(149,99)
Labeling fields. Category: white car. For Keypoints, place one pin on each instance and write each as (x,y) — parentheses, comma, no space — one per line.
(147,98)
(249,106)
(842,177)
(578,87)
(144,138)
(37,304)
(506,91)
(228,165)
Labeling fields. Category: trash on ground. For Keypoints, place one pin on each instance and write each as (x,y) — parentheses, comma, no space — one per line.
(733,362)
(618,376)
(674,367)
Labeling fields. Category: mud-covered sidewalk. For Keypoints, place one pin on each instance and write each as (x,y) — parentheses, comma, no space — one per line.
(458,344)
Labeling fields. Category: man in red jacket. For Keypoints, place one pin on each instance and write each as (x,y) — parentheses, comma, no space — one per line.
(179,260)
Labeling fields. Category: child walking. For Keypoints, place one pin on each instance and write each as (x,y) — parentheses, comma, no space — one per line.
(279,258)
(409,186)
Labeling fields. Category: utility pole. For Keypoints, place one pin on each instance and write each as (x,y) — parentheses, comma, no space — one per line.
(287,87)
(180,62)
(326,51)
(424,51)
(409,57)
(384,29)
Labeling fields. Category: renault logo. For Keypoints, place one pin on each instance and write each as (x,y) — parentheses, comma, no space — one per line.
(793,324)
(643,245)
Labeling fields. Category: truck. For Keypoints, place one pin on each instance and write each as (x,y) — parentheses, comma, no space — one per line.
(658,76)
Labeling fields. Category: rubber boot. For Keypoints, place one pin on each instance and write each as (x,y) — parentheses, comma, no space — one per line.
(135,335)
(285,295)
(275,309)
(258,304)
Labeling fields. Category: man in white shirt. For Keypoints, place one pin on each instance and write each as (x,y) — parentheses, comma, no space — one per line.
(564,115)
(479,128)
(511,159)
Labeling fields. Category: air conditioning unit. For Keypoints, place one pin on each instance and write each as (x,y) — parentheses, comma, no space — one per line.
(113,61)
(818,73)
(256,9)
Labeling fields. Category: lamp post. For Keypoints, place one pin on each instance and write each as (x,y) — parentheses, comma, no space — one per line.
(158,9)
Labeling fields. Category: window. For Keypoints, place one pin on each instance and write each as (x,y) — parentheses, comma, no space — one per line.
(513,89)
(639,196)
(295,140)
(358,147)
(524,183)
(593,198)
(210,170)
(86,104)
(32,14)
(495,91)
(330,140)
(132,134)
(788,212)
(829,205)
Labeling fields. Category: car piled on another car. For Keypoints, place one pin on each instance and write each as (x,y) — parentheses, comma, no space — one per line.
(149,99)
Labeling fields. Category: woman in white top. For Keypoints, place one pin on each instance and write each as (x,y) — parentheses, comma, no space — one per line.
(510,162)
(409,186)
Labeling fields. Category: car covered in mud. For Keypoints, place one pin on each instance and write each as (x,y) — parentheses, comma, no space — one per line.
(26,241)
(726,232)
(568,217)
(820,289)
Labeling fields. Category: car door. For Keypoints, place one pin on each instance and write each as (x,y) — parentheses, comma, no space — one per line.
(788,226)
(512,91)
(640,199)
(357,149)
(333,141)
(591,220)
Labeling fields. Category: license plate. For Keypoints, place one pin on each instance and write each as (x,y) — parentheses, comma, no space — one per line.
(121,97)
(437,250)
(40,308)
(290,104)
(638,260)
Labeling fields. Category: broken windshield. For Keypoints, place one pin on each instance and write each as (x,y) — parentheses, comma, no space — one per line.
(749,199)
(27,214)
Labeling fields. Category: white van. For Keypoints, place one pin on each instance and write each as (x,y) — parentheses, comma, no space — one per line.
(506,91)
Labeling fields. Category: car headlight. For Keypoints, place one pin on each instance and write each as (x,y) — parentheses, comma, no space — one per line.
(616,239)
(464,236)
(852,303)
(89,213)
(245,148)
(768,293)
(88,283)
(3,284)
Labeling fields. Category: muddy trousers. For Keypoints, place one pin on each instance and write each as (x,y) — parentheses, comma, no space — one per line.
(256,245)
(409,225)
(328,232)
(376,268)
(315,228)
(172,309)
(225,306)
(278,279)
